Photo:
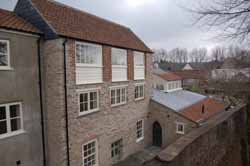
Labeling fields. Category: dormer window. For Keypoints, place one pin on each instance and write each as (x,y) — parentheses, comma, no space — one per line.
(119,65)
(4,54)
(88,63)
(139,65)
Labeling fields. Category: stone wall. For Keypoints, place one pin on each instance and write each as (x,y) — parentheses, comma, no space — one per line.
(216,143)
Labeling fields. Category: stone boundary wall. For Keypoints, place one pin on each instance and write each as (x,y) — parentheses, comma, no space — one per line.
(216,143)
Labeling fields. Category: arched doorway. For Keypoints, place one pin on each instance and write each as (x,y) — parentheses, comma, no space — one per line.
(157,134)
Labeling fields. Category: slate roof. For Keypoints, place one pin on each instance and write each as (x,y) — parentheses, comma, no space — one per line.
(211,107)
(177,100)
(168,76)
(9,20)
(77,24)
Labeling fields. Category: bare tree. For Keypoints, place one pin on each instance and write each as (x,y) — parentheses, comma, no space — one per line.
(231,16)
(218,54)
(198,55)
(159,54)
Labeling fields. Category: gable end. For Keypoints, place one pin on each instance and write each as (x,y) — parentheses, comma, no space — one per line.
(26,10)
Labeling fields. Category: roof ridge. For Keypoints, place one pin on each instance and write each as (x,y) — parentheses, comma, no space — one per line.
(5,10)
(84,12)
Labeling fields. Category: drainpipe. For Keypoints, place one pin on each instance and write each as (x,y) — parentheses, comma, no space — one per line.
(66,100)
(41,100)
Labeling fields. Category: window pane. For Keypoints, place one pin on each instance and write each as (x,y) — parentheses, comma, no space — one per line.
(113,96)
(116,150)
(119,56)
(3,53)
(136,92)
(88,53)
(139,58)
(15,124)
(123,95)
(93,95)
(14,111)
(3,60)
(83,107)
(3,127)
(2,113)
(93,100)
(89,154)
(141,91)
(118,96)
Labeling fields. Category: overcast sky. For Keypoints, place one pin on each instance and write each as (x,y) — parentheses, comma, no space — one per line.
(160,23)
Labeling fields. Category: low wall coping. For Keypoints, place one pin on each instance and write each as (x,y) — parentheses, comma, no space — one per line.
(173,150)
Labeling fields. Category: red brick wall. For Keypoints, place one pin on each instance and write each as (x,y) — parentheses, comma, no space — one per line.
(130,65)
(107,66)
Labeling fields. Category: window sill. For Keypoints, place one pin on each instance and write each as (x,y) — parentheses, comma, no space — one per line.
(4,136)
(89,83)
(89,65)
(115,81)
(182,133)
(139,140)
(139,79)
(6,69)
(139,99)
(116,105)
(88,112)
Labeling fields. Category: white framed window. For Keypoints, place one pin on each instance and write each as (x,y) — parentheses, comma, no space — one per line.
(89,67)
(88,54)
(119,57)
(11,119)
(169,85)
(119,65)
(4,54)
(139,91)
(90,153)
(88,101)
(139,130)
(139,65)
(118,95)
(116,150)
(180,128)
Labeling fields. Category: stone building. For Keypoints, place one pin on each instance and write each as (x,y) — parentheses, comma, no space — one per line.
(96,85)
(175,114)
(77,90)
(21,137)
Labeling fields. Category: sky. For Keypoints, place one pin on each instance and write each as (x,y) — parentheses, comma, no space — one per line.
(159,23)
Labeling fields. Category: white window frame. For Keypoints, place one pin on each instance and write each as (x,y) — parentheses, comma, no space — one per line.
(86,64)
(126,55)
(96,151)
(138,53)
(115,88)
(177,125)
(140,84)
(8,119)
(8,56)
(88,91)
(117,159)
(119,67)
(142,130)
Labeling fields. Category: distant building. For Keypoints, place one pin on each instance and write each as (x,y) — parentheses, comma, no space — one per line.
(187,67)
(227,74)
(167,82)
(192,78)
